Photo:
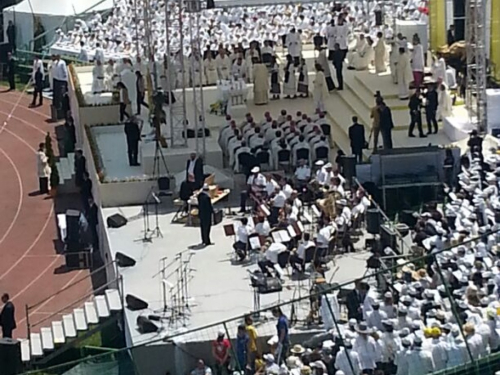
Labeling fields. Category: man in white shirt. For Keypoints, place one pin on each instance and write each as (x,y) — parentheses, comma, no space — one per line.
(366,347)
(60,81)
(256,185)
(263,228)
(241,244)
(297,258)
(271,252)
(302,174)
(278,202)
(99,53)
(83,55)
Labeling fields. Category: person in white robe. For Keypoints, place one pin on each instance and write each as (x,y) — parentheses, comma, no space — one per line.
(303,86)
(404,74)
(380,54)
(223,64)
(417,62)
(261,84)
(362,59)
(197,74)
(290,81)
(210,70)
(292,44)
(250,57)
(83,55)
(98,78)
(444,102)
(320,91)
(360,46)
(342,362)
(439,69)
(110,76)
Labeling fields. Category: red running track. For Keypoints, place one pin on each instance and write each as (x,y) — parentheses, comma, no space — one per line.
(30,268)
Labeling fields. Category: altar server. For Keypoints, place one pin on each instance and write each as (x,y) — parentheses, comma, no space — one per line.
(239,70)
(380,54)
(210,68)
(439,69)
(290,81)
(444,102)
(322,60)
(275,78)
(293,44)
(303,86)
(98,77)
(223,64)
(404,74)
(331,38)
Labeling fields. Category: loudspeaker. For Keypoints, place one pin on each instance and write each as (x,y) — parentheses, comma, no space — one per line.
(217,216)
(10,357)
(388,238)
(164,183)
(373,221)
(134,303)
(123,260)
(145,325)
(116,221)
(72,226)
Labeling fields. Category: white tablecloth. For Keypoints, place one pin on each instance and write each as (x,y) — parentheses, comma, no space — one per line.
(235,92)
(457,128)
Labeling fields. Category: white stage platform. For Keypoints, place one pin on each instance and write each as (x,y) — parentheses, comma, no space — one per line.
(220,288)
(458,126)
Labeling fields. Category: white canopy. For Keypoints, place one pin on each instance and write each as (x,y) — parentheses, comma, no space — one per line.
(52,14)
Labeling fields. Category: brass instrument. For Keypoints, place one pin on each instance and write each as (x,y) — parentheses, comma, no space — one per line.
(328,204)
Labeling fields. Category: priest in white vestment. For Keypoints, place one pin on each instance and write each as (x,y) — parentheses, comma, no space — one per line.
(405,75)
(98,77)
(110,76)
(261,84)
(292,44)
(417,62)
(444,102)
(223,64)
(320,91)
(360,46)
(380,54)
(439,70)
(361,59)
(210,70)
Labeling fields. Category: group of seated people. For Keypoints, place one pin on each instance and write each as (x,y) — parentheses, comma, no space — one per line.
(275,143)
(280,209)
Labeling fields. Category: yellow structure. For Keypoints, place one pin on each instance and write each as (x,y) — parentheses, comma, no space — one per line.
(437,23)
(495,38)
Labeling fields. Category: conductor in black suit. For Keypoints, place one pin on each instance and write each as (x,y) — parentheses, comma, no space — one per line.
(357,138)
(133,133)
(7,317)
(194,166)
(205,213)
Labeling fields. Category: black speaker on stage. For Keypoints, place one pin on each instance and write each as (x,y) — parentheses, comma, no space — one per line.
(116,221)
(373,221)
(145,325)
(72,226)
(134,303)
(164,183)
(388,238)
(123,260)
(10,357)
(349,168)
(217,216)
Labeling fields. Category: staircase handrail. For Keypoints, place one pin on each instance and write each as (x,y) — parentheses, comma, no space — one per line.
(72,284)
(58,312)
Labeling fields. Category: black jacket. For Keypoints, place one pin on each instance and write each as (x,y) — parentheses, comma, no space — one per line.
(39,80)
(354,302)
(386,122)
(357,136)
(450,37)
(132,131)
(338,59)
(7,316)
(205,208)
(432,100)
(415,103)
(199,175)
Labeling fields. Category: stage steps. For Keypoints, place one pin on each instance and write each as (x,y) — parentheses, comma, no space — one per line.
(80,320)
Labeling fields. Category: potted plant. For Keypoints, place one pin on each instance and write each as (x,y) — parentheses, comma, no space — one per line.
(54,172)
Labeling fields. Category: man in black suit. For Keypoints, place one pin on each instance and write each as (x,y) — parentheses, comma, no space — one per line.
(357,138)
(431,109)
(80,167)
(38,87)
(11,71)
(338,63)
(385,123)
(11,36)
(415,105)
(133,133)
(450,36)
(194,166)
(205,213)
(7,317)
(354,301)
(93,220)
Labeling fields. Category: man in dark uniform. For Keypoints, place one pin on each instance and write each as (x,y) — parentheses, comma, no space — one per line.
(80,167)
(415,105)
(386,123)
(11,36)
(93,220)
(38,88)
(133,133)
(7,317)
(194,166)
(11,71)
(205,213)
(338,63)
(431,109)
(357,138)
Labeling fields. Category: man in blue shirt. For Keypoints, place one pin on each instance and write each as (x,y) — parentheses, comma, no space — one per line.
(283,339)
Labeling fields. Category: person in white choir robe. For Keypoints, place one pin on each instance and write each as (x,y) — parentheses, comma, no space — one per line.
(363,58)
(420,361)
(198,71)
(98,78)
(366,348)
(261,83)
(239,69)
(417,62)
(83,55)
(445,106)
(439,70)
(223,65)
(292,44)
(380,54)
(110,75)
(405,75)
(360,46)
(99,52)
(393,60)
(331,38)
(320,91)
(290,81)
(251,57)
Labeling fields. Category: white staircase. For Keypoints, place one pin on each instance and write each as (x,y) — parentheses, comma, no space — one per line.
(65,166)
(61,332)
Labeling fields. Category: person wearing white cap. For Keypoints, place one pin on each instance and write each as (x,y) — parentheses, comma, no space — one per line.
(401,359)
(256,185)
(420,361)
(366,347)
(205,213)
(388,307)
(342,362)
(375,317)
(457,352)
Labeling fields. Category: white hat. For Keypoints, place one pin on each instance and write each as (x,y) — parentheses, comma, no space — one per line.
(206,187)
(255,170)
(319,163)
(268,357)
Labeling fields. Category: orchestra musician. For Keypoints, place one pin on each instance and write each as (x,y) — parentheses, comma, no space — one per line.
(271,252)
(241,244)
(256,186)
(278,202)
(263,228)
(302,175)
(297,258)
